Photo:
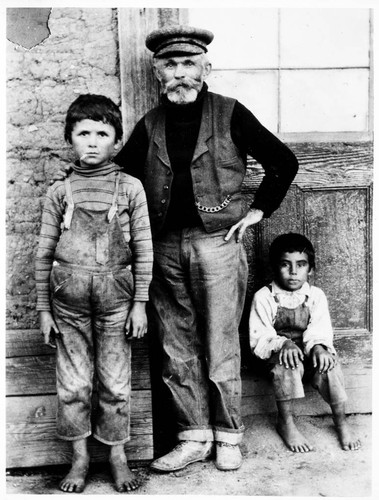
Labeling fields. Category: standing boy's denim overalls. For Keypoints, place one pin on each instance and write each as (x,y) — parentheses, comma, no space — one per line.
(288,383)
(92,289)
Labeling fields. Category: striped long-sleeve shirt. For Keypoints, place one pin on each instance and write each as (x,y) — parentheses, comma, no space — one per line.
(95,193)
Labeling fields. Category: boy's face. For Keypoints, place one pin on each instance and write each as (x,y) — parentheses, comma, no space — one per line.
(94,142)
(293,270)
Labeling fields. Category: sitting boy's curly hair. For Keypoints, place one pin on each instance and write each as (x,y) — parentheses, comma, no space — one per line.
(93,107)
(291,242)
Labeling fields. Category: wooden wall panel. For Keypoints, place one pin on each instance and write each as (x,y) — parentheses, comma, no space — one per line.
(30,365)
(355,355)
(31,439)
(336,221)
(325,165)
(330,202)
(289,217)
(258,398)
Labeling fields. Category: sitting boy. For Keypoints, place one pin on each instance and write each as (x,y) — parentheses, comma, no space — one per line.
(290,328)
(93,270)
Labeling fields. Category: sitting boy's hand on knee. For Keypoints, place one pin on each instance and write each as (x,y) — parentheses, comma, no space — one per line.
(290,355)
(322,359)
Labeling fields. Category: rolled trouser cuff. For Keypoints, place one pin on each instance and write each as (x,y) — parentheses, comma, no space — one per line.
(199,435)
(230,436)
(74,438)
(112,443)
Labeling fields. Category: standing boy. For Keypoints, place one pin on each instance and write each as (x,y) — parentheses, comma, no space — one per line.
(290,328)
(93,270)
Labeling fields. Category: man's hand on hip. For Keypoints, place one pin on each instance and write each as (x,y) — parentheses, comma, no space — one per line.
(253,216)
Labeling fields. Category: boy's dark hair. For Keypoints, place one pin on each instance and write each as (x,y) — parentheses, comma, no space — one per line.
(291,242)
(93,107)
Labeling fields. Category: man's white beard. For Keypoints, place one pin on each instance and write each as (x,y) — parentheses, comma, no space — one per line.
(182,95)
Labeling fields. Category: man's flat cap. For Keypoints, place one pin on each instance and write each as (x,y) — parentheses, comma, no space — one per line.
(178,39)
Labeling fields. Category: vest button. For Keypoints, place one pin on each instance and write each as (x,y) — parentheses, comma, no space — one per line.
(165,186)
(160,214)
(163,201)
(168,172)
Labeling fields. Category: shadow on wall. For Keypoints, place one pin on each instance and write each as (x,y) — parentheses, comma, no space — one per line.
(27,27)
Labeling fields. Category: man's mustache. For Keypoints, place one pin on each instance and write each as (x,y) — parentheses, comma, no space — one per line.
(174,86)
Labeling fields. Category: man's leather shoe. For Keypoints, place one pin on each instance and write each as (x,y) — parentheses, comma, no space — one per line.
(184,453)
(228,456)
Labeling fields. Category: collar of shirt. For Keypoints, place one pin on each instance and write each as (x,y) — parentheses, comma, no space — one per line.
(97,171)
(290,299)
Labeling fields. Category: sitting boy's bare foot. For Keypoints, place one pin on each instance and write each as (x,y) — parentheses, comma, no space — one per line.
(74,482)
(342,428)
(123,477)
(292,437)
(348,443)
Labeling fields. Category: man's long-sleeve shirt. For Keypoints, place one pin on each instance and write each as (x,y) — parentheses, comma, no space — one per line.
(182,128)
(264,339)
(96,193)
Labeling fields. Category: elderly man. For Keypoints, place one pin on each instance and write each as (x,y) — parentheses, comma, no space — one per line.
(190,153)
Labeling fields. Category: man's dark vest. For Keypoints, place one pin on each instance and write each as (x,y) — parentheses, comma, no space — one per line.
(217,168)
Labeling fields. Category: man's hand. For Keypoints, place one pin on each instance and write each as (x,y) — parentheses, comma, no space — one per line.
(48,328)
(253,216)
(290,355)
(322,359)
(61,174)
(136,323)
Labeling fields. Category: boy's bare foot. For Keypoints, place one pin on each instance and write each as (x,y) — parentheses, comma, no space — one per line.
(74,482)
(287,429)
(348,443)
(123,477)
(342,428)
(292,437)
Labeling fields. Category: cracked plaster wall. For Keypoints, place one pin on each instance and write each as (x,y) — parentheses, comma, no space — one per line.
(80,55)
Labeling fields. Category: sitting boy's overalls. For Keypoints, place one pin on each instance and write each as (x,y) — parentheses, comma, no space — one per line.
(91,289)
(287,383)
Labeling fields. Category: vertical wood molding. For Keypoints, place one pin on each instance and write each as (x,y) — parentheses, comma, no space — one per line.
(369,258)
(139,88)
(371,78)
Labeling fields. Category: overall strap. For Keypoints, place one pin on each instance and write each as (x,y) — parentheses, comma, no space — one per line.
(274,296)
(70,205)
(114,208)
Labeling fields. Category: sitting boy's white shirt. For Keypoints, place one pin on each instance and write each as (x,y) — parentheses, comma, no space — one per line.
(263,338)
